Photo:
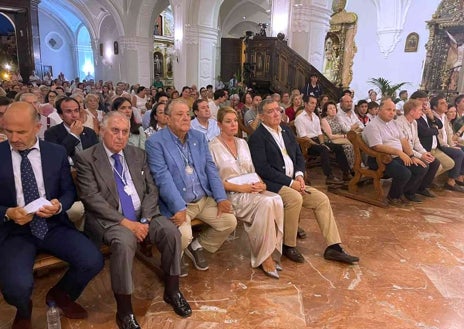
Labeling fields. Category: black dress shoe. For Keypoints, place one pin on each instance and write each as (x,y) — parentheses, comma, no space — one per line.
(413,198)
(332,180)
(301,234)
(427,193)
(454,187)
(293,254)
(179,304)
(127,321)
(69,308)
(339,256)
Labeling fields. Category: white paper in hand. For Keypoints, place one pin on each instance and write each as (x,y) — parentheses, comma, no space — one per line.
(35,205)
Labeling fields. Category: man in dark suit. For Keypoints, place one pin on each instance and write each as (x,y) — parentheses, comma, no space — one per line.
(71,133)
(278,161)
(31,169)
(121,204)
(428,127)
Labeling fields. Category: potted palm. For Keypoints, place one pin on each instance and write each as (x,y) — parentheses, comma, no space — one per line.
(386,88)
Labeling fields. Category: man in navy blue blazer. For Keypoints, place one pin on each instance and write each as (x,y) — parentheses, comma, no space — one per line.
(30,167)
(189,184)
(278,161)
(71,133)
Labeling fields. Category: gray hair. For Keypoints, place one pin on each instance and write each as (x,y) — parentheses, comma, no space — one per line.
(171,103)
(263,104)
(113,114)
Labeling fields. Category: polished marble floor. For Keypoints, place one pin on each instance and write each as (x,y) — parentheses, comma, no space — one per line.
(411,275)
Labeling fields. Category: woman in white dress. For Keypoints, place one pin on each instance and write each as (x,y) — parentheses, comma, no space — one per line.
(260,210)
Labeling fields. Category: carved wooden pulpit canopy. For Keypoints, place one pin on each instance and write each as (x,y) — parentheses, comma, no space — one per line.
(339,46)
(443,72)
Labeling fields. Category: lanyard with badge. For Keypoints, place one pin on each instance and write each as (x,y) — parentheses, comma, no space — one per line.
(127,188)
(188,168)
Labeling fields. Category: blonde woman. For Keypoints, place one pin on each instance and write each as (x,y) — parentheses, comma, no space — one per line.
(260,210)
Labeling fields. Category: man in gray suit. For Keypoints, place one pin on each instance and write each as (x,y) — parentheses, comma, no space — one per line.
(121,204)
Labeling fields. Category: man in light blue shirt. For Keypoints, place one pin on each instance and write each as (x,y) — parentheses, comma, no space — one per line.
(203,121)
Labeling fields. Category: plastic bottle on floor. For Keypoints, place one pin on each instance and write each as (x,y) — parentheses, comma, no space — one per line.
(53,317)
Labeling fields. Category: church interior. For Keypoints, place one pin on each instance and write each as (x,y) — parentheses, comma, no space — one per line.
(411,264)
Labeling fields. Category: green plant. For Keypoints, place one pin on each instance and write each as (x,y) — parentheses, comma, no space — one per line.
(385,87)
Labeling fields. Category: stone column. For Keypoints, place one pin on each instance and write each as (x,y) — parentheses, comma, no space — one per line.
(34,17)
(280,14)
(135,60)
(202,48)
(309,24)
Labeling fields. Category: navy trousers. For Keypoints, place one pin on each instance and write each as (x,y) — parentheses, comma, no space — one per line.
(405,179)
(17,254)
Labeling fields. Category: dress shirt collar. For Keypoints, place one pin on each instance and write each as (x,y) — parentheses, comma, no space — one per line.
(36,146)
(271,130)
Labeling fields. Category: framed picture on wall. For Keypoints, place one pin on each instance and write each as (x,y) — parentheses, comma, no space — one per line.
(158,30)
(412,41)
(48,68)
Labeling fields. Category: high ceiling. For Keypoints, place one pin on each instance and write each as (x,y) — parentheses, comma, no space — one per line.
(235,17)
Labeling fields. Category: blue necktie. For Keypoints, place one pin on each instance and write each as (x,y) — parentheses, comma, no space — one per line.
(31,192)
(126,201)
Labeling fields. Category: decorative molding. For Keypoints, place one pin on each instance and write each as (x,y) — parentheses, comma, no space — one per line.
(192,34)
(391,15)
(304,14)
(134,43)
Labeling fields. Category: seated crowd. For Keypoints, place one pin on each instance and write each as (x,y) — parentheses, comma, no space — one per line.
(147,161)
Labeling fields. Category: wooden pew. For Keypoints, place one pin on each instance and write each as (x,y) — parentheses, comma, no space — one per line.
(362,173)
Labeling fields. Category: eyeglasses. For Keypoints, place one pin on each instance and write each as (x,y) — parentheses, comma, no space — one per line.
(270,111)
(117,131)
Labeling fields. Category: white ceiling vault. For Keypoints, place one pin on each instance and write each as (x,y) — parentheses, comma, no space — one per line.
(135,17)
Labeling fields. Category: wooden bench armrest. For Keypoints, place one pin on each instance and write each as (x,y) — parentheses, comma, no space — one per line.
(304,144)
(359,144)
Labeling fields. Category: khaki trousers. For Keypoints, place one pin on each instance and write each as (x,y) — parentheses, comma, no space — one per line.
(76,215)
(315,200)
(446,163)
(219,227)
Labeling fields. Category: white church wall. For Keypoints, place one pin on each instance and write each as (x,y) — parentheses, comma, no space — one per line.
(398,66)
(108,66)
(59,52)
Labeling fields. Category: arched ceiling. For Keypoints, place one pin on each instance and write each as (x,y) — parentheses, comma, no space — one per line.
(74,13)
(236,17)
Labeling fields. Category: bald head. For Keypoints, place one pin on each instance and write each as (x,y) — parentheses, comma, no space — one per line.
(346,103)
(24,109)
(21,123)
(387,110)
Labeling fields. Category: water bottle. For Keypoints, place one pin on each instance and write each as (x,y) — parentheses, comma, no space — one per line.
(53,316)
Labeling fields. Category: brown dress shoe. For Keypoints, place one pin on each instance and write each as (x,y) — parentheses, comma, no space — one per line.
(340,256)
(293,254)
(68,307)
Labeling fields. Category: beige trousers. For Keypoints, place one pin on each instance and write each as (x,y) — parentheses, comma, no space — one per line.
(219,227)
(76,215)
(315,200)
(446,163)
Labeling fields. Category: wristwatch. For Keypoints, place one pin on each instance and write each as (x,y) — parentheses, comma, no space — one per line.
(6,218)
(145,220)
